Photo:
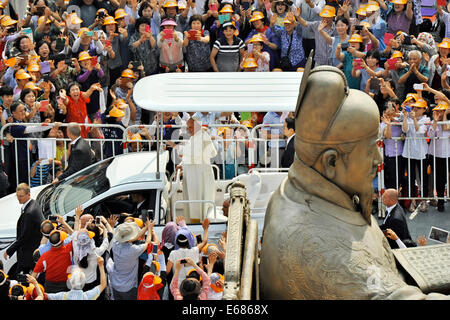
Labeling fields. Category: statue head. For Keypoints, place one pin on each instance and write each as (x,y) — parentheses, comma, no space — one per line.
(336,133)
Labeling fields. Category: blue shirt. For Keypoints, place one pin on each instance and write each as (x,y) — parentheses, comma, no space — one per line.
(273,118)
(297,54)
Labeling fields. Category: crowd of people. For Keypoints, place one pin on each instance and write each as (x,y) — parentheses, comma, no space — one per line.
(119,257)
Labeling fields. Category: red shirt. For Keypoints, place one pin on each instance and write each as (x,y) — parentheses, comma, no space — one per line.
(77,112)
(55,263)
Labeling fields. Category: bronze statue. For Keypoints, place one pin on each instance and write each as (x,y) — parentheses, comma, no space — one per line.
(320,240)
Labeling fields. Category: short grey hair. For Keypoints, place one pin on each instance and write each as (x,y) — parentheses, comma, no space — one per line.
(74,129)
(417,52)
(23,187)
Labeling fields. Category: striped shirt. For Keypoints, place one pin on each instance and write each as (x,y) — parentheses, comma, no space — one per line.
(37,180)
(228,56)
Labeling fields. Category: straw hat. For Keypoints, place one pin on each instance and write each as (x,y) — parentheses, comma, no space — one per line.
(126,231)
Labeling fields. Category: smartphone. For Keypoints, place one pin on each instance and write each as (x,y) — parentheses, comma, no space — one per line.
(407,40)
(439,235)
(108,43)
(374,84)
(344,46)
(52,218)
(43,107)
(358,63)
(246,5)
(155,248)
(212,7)
(98,220)
(192,34)
(418,86)
(45,67)
(90,33)
(94,61)
(392,63)
(358,27)
(441,3)
(199,238)
(183,261)
(60,44)
(408,108)
(40,11)
(144,215)
(46,77)
(147,28)
(204,260)
(250,47)
(22,278)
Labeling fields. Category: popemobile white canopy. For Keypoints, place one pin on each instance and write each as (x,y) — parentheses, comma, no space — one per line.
(219,91)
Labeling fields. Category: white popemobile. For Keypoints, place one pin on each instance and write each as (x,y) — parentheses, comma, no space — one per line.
(101,187)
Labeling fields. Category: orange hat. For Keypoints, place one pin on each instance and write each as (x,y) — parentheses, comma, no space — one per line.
(399,1)
(62,237)
(170,3)
(191,271)
(397,54)
(33,67)
(84,55)
(257,38)
(136,137)
(150,278)
(128,73)
(361,10)
(328,12)
(121,104)
(34,59)
(214,278)
(117,113)
(82,30)
(120,13)
(300,69)
(442,105)
(257,15)
(109,20)
(21,75)
(31,85)
(17,285)
(250,63)
(7,21)
(445,43)
(420,103)
(355,38)
(42,19)
(227,9)
(365,24)
(74,19)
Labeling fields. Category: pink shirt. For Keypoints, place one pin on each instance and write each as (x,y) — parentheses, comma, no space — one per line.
(203,294)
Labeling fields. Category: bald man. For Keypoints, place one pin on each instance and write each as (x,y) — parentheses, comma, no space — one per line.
(395,217)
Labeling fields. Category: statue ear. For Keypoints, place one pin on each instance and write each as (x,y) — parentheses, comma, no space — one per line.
(328,162)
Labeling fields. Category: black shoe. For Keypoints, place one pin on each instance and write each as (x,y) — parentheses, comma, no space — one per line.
(440,207)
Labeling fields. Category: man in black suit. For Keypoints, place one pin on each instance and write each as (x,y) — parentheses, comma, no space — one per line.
(289,132)
(80,153)
(395,217)
(28,235)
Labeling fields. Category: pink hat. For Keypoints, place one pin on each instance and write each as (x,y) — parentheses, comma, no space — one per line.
(169,22)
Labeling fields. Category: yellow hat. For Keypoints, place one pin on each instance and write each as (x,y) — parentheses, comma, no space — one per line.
(11,62)
(128,73)
(138,221)
(365,24)
(191,271)
(420,103)
(82,30)
(409,97)
(399,1)
(361,10)
(116,113)
(257,15)
(250,63)
(257,38)
(181,5)
(287,20)
(84,55)
(328,12)
(445,43)
(21,74)
(442,105)
(300,69)
(102,10)
(120,103)
(355,38)
(7,21)
(397,54)
(74,19)
(31,85)
(17,285)
(170,3)
(136,137)
(227,9)
(109,20)
(247,123)
(33,67)
(372,6)
(42,19)
(120,13)
(34,59)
